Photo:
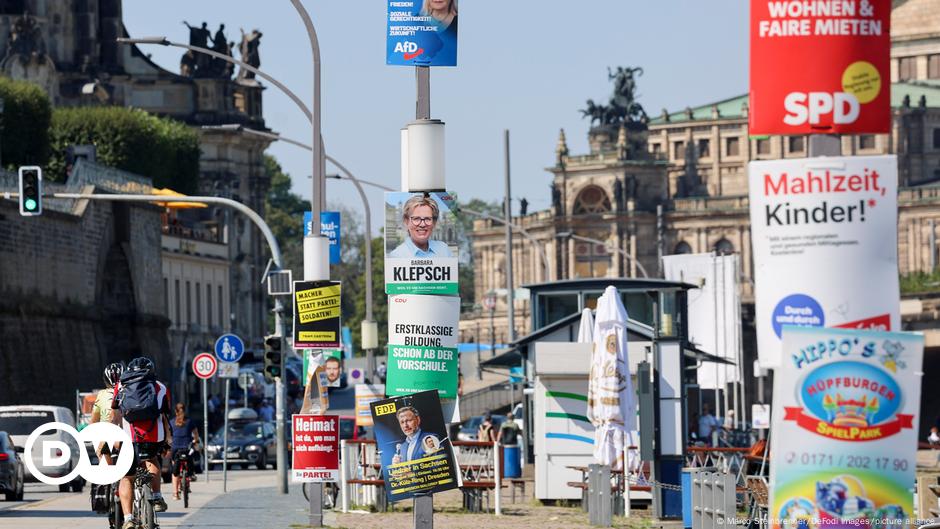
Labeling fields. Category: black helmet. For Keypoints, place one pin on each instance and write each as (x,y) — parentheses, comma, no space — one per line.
(112,373)
(141,363)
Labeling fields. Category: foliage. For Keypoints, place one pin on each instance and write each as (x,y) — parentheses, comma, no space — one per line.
(920,282)
(24,139)
(284,211)
(466,275)
(163,149)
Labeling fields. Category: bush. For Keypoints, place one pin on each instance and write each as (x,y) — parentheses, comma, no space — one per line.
(26,116)
(129,139)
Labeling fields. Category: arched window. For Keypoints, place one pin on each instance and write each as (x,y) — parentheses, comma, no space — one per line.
(682,248)
(724,247)
(591,200)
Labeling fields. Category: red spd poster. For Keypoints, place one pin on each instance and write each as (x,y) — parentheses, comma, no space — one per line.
(820,67)
(315,448)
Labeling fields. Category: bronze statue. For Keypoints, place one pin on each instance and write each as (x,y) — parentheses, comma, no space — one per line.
(622,107)
(249,52)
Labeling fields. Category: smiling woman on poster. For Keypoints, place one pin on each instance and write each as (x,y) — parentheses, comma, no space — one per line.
(444,12)
(419,217)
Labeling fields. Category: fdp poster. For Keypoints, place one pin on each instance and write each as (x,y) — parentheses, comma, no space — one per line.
(421,33)
(820,66)
(421,239)
(824,236)
(844,434)
(316,314)
(422,344)
(315,448)
(412,439)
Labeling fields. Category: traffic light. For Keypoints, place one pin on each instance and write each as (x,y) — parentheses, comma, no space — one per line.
(272,357)
(30,190)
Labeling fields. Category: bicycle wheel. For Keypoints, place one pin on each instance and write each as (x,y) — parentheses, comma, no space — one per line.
(185,477)
(148,519)
(117,513)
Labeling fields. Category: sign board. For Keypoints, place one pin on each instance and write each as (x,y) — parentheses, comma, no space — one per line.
(820,67)
(416,37)
(329,228)
(420,244)
(844,437)
(245,380)
(366,394)
(205,365)
(422,344)
(760,416)
(309,358)
(824,237)
(411,437)
(229,348)
(316,314)
(315,448)
(228,370)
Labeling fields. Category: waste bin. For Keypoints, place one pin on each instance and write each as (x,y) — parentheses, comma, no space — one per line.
(687,497)
(512,467)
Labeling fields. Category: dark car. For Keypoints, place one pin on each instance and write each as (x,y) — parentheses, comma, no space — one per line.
(249,443)
(12,471)
(349,430)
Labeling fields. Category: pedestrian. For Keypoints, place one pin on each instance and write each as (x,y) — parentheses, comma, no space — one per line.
(485,433)
(381,372)
(707,424)
(509,431)
(266,413)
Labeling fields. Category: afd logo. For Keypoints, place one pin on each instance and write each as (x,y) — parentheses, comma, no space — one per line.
(57,453)
(409,50)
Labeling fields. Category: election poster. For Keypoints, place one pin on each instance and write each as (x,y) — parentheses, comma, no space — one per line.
(421,33)
(330,359)
(315,448)
(416,454)
(820,67)
(824,237)
(366,394)
(316,314)
(329,228)
(421,239)
(844,429)
(422,344)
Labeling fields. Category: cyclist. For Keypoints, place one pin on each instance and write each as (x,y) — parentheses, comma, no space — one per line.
(138,385)
(184,433)
(101,411)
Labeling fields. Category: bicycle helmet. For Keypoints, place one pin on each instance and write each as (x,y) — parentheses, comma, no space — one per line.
(112,373)
(141,364)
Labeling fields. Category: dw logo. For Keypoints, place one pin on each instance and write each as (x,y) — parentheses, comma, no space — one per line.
(57,453)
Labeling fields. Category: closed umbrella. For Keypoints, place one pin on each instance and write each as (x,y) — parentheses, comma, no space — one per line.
(586,330)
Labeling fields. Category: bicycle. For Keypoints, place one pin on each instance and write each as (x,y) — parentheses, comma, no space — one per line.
(115,512)
(330,494)
(185,473)
(143,513)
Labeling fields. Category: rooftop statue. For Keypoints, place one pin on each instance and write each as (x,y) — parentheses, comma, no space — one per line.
(622,107)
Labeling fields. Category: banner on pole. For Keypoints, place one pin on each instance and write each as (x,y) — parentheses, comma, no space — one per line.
(844,428)
(315,448)
(366,394)
(329,228)
(421,241)
(824,236)
(422,344)
(421,34)
(316,314)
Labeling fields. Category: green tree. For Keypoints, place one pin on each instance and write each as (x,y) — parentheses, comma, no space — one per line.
(24,139)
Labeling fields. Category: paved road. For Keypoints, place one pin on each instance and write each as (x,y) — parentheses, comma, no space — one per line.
(252,502)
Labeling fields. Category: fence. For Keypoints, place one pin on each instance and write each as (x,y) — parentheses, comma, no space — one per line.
(729,460)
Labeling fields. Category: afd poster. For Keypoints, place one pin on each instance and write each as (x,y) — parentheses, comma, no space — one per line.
(421,33)
(316,314)
(416,453)
(844,430)
(421,239)
(422,344)
(824,237)
(820,67)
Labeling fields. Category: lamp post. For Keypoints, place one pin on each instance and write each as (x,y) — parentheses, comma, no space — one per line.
(568,234)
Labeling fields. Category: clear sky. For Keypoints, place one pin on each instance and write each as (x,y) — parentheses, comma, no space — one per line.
(523,65)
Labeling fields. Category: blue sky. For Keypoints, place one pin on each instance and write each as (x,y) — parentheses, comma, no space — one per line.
(524,65)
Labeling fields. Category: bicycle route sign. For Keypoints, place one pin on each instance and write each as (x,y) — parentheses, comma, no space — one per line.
(229,348)
(205,365)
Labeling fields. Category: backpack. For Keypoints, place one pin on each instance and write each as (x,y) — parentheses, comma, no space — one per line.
(138,396)
(100,498)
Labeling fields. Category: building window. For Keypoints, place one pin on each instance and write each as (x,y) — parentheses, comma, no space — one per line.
(682,248)
(208,305)
(198,303)
(724,247)
(733,146)
(866,141)
(678,150)
(907,68)
(592,200)
(704,148)
(657,148)
(221,307)
(763,146)
(176,301)
(189,303)
(796,144)
(933,66)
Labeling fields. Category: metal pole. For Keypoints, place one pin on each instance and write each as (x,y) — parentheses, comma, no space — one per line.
(479,354)
(225,442)
(315,495)
(423,99)
(660,243)
(424,511)
(498,479)
(205,428)
(492,331)
(507,209)
(246,394)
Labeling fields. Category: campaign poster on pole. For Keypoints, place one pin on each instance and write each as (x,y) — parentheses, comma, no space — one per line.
(422,344)
(421,240)
(824,237)
(332,362)
(366,394)
(844,432)
(421,33)
(411,437)
(316,314)
(329,228)
(820,67)
(315,448)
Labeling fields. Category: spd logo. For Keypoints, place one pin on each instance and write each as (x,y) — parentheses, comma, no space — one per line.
(95,434)
(408,49)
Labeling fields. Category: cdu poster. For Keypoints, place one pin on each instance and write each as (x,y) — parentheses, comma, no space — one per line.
(421,241)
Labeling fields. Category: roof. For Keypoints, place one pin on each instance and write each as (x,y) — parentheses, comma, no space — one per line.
(915,18)
(595,283)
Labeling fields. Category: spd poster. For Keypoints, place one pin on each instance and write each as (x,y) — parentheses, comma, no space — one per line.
(820,67)
(844,432)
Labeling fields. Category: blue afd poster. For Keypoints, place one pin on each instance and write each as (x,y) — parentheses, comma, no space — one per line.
(421,33)
(329,228)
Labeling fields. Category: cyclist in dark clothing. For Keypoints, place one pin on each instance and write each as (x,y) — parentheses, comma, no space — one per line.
(184,433)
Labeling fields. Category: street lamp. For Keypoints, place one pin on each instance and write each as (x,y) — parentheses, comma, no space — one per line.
(568,234)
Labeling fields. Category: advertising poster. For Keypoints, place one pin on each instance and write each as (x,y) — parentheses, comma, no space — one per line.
(330,359)
(421,33)
(422,344)
(420,244)
(315,448)
(412,439)
(825,240)
(366,394)
(329,228)
(316,314)
(844,430)
(820,67)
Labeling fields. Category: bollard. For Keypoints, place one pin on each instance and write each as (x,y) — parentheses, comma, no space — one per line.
(424,511)
(599,497)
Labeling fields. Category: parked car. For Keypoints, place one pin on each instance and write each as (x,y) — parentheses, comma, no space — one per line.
(348,429)
(20,421)
(12,469)
(249,443)
(471,428)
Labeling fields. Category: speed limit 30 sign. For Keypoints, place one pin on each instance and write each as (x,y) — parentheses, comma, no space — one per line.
(205,365)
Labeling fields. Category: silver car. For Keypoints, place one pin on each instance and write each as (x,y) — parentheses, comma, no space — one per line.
(20,421)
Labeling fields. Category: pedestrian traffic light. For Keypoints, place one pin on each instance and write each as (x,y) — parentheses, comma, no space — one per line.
(272,357)
(30,190)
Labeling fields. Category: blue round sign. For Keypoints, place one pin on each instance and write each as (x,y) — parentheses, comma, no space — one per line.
(229,348)
(797,309)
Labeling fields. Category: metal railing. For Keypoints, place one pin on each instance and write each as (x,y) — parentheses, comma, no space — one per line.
(730,460)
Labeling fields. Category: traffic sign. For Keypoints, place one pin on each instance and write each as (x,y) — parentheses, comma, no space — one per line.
(229,348)
(228,370)
(245,380)
(489,302)
(205,365)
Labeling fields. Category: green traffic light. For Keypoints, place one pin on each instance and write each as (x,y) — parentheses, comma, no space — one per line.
(30,204)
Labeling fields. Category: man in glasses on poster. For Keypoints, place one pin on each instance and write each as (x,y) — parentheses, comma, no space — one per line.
(419,217)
